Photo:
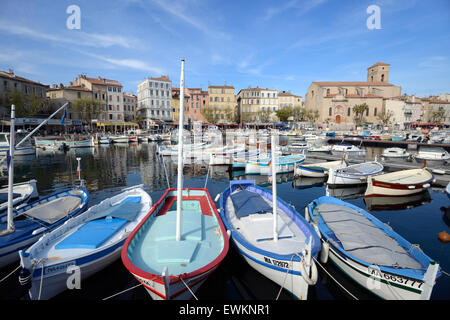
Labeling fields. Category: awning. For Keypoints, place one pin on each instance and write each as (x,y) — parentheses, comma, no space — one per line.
(119,124)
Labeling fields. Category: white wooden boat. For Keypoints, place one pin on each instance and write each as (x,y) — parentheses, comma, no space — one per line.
(88,243)
(104,140)
(354,174)
(399,183)
(370,252)
(120,139)
(24,150)
(22,193)
(432,155)
(278,243)
(320,149)
(318,169)
(283,164)
(395,153)
(350,149)
(181,241)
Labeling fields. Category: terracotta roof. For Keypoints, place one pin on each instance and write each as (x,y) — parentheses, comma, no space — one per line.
(162,78)
(287,94)
(12,76)
(351,83)
(439,101)
(103,81)
(75,88)
(379,64)
(226,87)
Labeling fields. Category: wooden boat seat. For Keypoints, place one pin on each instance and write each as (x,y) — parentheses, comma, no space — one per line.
(191,226)
(175,252)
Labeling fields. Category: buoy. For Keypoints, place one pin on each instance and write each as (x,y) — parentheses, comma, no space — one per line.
(444,236)
(324,252)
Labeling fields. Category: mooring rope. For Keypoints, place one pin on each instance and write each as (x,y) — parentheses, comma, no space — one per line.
(285,275)
(10,273)
(123,291)
(188,288)
(354,297)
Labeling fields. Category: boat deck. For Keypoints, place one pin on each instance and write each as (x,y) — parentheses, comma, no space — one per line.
(155,246)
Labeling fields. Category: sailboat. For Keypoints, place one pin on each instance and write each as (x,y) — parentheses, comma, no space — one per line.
(22,227)
(271,235)
(181,241)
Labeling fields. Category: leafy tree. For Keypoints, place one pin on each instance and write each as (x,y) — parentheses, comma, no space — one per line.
(359,110)
(89,109)
(209,114)
(385,117)
(312,115)
(438,116)
(264,116)
(284,113)
(26,106)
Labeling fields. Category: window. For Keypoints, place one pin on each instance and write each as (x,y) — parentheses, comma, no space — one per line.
(118,108)
(79,95)
(382,78)
(110,97)
(367,112)
(110,116)
(117,98)
(330,111)
(348,112)
(109,88)
(375,111)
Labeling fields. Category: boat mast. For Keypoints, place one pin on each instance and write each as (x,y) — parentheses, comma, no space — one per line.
(274,189)
(180,155)
(10,222)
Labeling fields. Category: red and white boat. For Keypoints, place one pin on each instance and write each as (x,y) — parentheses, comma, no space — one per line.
(399,183)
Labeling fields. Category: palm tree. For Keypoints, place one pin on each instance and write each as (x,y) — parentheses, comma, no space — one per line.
(359,110)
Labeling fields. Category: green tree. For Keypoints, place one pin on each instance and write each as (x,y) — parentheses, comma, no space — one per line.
(359,110)
(89,109)
(438,116)
(264,116)
(385,117)
(312,115)
(284,113)
(209,114)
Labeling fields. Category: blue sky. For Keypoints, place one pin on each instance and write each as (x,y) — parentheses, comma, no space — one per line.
(283,45)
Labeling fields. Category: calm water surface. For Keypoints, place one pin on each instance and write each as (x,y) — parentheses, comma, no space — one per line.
(109,169)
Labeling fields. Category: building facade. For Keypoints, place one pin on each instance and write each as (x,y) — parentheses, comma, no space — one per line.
(222,102)
(59,95)
(335,100)
(129,107)
(154,98)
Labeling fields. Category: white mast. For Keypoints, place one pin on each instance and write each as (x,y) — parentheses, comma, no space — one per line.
(10,222)
(180,155)
(274,189)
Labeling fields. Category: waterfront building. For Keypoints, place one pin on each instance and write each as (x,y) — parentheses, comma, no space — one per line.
(176,104)
(335,99)
(59,95)
(129,107)
(10,82)
(222,103)
(198,101)
(154,98)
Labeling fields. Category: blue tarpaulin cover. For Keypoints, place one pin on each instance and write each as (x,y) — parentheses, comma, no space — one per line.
(246,202)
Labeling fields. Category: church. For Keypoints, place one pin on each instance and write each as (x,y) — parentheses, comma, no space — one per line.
(335,99)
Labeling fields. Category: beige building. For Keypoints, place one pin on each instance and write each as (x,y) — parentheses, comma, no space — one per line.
(10,82)
(129,106)
(335,99)
(222,102)
(59,95)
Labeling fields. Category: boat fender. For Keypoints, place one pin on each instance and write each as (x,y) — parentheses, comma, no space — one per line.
(444,236)
(324,252)
(217,197)
(312,280)
(307,217)
(25,279)
(229,234)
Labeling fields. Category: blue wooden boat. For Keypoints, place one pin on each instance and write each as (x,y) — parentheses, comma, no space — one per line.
(36,218)
(287,257)
(370,252)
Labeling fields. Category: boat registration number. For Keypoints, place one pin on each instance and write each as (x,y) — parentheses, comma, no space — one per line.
(277,263)
(393,278)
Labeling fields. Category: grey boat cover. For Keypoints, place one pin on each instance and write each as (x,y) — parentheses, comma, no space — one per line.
(363,240)
(54,210)
(246,202)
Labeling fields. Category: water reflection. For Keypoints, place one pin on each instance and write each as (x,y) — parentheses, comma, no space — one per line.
(308,182)
(346,193)
(397,203)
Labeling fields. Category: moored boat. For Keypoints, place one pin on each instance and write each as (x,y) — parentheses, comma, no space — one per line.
(318,169)
(432,155)
(399,183)
(285,257)
(355,174)
(395,153)
(370,252)
(22,193)
(88,242)
(283,164)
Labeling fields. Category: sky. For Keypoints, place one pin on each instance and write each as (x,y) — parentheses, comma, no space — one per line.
(282,45)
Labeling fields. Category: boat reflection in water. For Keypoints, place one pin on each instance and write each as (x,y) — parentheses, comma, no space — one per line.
(346,193)
(397,203)
(446,215)
(308,182)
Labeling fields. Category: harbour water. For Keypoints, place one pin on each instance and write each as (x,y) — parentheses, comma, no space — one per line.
(109,169)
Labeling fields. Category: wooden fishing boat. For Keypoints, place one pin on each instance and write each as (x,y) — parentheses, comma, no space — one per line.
(22,193)
(89,242)
(181,241)
(370,252)
(399,183)
(355,174)
(283,164)
(36,218)
(105,140)
(285,257)
(27,149)
(318,169)
(395,153)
